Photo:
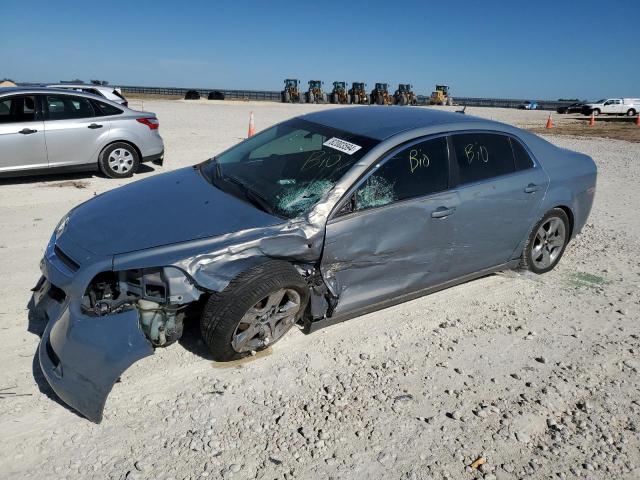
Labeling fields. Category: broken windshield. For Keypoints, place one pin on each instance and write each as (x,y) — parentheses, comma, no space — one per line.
(287,169)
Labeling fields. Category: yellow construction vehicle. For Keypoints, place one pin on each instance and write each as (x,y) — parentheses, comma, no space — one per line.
(441,96)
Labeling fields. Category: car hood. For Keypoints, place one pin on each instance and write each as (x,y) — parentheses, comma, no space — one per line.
(165,209)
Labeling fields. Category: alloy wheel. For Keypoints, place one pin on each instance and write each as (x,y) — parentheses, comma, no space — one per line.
(267,321)
(548,243)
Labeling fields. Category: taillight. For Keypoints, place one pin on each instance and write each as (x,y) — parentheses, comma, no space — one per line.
(150,122)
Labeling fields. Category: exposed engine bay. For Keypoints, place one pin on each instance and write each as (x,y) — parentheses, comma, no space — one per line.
(160,296)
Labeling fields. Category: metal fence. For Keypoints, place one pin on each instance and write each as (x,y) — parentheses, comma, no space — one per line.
(262,95)
(274,96)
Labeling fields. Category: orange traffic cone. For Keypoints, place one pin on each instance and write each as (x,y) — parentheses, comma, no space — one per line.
(592,120)
(638,120)
(252,127)
(549,122)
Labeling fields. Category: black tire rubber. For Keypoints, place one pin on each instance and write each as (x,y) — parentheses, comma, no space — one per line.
(525,260)
(216,95)
(103,160)
(224,310)
(631,112)
(192,95)
(596,112)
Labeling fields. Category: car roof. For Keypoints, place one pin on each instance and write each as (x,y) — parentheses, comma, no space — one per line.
(61,91)
(35,89)
(382,122)
(80,85)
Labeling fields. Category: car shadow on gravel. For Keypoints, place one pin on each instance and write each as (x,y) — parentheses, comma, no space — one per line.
(57,177)
(36,325)
(143,168)
(191,339)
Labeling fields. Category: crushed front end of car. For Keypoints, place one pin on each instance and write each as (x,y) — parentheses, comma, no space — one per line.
(100,322)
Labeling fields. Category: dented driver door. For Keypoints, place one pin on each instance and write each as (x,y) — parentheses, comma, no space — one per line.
(397,236)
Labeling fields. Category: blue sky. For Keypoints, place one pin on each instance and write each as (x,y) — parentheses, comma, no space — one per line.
(490,48)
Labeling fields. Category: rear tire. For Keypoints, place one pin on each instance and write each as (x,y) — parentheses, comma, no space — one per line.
(225,316)
(119,160)
(631,112)
(547,242)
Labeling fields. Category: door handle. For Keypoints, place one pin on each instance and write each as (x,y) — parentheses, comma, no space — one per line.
(442,212)
(531,188)
(94,126)
(27,131)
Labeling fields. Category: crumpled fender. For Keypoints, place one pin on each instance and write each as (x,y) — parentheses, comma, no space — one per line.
(82,357)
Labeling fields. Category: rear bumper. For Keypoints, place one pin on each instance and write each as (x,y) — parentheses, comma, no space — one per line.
(156,159)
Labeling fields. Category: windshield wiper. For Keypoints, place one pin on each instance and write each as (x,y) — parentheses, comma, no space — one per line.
(254,197)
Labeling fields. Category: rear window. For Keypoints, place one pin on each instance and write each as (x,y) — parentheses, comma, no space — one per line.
(520,155)
(117,94)
(103,109)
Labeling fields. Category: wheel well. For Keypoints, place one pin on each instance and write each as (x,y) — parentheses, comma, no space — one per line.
(123,141)
(569,213)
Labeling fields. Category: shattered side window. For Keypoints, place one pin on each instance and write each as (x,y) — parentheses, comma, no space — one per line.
(288,168)
(418,170)
(375,192)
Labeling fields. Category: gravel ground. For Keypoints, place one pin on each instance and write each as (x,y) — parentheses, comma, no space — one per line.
(511,376)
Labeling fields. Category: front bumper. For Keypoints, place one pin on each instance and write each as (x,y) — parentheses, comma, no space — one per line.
(82,356)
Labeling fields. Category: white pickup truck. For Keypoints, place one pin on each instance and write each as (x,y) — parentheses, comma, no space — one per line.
(613,106)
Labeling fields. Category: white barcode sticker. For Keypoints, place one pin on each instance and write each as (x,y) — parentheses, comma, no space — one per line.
(342,145)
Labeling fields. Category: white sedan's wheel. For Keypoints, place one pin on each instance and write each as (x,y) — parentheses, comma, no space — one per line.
(119,160)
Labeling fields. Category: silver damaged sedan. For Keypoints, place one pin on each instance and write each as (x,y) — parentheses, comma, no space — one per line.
(311,222)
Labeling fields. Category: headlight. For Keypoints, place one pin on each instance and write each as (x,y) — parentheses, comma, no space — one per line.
(61,227)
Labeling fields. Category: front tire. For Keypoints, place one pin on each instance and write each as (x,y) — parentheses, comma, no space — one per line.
(254,311)
(595,111)
(119,160)
(547,242)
